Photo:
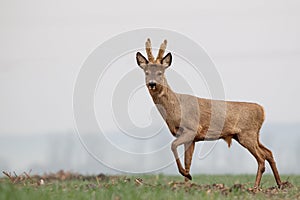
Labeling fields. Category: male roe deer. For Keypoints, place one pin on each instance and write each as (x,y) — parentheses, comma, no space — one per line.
(191,119)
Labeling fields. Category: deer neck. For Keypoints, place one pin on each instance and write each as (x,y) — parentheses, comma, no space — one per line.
(164,96)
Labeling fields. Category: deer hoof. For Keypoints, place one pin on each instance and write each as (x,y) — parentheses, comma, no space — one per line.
(188,176)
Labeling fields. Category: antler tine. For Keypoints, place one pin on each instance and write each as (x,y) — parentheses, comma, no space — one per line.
(161,51)
(149,51)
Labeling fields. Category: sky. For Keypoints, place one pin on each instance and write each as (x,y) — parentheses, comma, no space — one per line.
(254,45)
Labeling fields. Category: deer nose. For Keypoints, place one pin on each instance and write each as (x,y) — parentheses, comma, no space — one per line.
(152,84)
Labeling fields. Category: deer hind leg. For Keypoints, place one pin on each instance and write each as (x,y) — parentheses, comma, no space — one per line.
(184,138)
(269,157)
(188,155)
(249,140)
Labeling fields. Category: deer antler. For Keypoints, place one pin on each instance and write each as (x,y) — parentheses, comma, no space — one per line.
(149,51)
(160,54)
(161,51)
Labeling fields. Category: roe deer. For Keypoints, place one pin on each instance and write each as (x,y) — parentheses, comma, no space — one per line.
(191,119)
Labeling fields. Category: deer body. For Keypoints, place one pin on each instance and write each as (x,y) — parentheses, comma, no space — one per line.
(179,113)
(191,119)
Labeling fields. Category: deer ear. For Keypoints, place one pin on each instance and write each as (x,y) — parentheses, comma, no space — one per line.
(141,60)
(167,60)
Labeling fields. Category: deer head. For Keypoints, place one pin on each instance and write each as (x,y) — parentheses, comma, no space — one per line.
(154,68)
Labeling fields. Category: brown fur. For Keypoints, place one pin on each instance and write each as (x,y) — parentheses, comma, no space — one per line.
(191,119)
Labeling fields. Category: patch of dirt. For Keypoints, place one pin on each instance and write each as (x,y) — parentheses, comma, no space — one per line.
(46,178)
(220,187)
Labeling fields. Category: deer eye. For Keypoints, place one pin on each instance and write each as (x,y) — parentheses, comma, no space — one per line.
(147,72)
(159,73)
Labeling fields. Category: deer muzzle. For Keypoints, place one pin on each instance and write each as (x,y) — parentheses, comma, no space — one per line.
(152,85)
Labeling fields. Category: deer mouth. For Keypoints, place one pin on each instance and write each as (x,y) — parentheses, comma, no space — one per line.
(152,87)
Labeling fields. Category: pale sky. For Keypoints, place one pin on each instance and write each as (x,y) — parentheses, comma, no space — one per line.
(255,46)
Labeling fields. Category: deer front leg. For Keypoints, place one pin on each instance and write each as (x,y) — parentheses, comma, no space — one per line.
(188,155)
(186,137)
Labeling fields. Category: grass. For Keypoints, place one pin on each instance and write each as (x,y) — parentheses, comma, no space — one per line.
(145,187)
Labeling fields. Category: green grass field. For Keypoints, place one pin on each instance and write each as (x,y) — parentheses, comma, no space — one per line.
(71,186)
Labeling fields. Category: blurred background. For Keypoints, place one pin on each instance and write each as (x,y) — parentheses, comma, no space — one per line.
(255,46)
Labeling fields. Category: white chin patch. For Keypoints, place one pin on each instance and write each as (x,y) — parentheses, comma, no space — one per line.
(152,88)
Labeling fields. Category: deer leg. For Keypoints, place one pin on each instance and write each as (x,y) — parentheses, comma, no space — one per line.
(184,138)
(250,142)
(255,151)
(188,155)
(260,171)
(269,156)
